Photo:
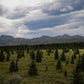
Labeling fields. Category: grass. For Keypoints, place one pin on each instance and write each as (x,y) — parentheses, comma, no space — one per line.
(52,76)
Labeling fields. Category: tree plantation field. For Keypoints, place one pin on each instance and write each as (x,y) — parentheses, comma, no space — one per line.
(41,66)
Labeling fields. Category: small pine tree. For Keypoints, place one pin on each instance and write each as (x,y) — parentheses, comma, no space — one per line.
(19,55)
(46,68)
(8,56)
(63,57)
(12,52)
(32,69)
(2,56)
(59,65)
(32,54)
(27,50)
(77,78)
(16,66)
(74,56)
(49,51)
(67,61)
(56,54)
(72,60)
(38,56)
(65,73)
(12,66)
(82,63)
(78,66)
(22,54)
(77,51)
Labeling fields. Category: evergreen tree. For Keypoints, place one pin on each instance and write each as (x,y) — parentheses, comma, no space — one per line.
(12,52)
(63,57)
(46,68)
(8,56)
(78,66)
(77,51)
(59,65)
(74,56)
(72,60)
(82,63)
(49,51)
(12,66)
(32,54)
(16,66)
(18,55)
(32,69)
(77,78)
(2,57)
(65,73)
(56,54)
(38,56)
(22,55)
(67,61)
(27,50)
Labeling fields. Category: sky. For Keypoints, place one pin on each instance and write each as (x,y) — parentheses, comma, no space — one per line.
(35,18)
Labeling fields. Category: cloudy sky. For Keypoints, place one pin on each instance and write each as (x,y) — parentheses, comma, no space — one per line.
(34,18)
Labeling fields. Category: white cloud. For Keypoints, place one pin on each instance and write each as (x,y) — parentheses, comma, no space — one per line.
(15,13)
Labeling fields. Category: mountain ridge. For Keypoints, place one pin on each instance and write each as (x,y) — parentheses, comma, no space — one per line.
(10,40)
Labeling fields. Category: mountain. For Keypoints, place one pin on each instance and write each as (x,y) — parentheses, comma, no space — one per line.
(9,40)
(4,39)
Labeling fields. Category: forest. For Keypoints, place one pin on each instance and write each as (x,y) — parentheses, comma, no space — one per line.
(42,64)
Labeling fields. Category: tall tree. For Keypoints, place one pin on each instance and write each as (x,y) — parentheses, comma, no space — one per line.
(77,78)
(56,54)
(16,66)
(82,63)
(2,56)
(63,57)
(72,60)
(59,65)
(32,69)
(38,56)
(12,66)
(8,56)
(32,54)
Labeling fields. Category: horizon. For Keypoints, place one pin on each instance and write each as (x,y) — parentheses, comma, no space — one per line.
(32,19)
(43,36)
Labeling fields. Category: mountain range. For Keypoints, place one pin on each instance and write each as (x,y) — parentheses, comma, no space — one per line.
(10,40)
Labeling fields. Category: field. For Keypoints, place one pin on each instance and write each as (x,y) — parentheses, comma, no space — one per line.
(45,76)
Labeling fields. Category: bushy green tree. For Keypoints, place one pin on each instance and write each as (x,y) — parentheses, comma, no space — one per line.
(59,65)
(74,56)
(46,68)
(82,63)
(49,51)
(77,78)
(27,50)
(72,60)
(19,55)
(56,54)
(65,73)
(2,56)
(8,56)
(22,54)
(32,54)
(38,56)
(63,57)
(16,67)
(32,69)
(12,66)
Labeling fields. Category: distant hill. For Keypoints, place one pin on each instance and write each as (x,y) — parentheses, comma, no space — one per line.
(9,40)
(4,39)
